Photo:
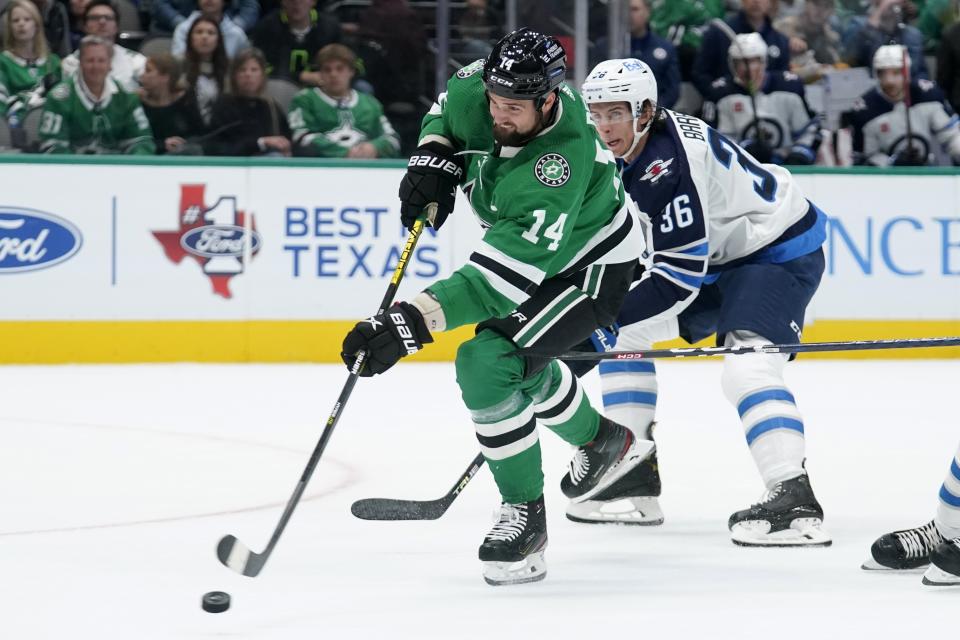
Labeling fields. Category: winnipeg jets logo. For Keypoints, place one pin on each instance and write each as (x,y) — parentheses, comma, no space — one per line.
(552,169)
(656,170)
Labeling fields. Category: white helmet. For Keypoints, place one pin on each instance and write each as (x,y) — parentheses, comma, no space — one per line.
(747,45)
(890,56)
(623,80)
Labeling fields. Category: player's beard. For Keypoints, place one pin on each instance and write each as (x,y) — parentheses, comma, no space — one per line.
(508,137)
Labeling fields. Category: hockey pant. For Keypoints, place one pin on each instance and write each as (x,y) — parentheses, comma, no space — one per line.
(753,383)
(509,394)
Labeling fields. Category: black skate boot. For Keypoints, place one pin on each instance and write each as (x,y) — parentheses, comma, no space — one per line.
(787,516)
(904,550)
(512,553)
(630,500)
(601,462)
(944,568)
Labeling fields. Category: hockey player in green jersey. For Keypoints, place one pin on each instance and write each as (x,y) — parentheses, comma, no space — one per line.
(27,68)
(337,121)
(557,257)
(90,113)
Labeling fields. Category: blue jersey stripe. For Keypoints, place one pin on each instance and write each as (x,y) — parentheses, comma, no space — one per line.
(754,399)
(949,498)
(955,470)
(629,397)
(801,245)
(773,423)
(689,280)
(627,367)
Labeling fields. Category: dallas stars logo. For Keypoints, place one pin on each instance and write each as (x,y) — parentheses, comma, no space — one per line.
(552,169)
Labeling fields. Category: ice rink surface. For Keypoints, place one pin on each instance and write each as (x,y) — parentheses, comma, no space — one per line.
(117,482)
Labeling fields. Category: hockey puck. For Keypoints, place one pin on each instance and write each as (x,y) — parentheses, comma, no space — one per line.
(216,601)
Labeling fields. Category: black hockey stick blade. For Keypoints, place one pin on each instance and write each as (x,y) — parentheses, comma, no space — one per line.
(237,556)
(393,509)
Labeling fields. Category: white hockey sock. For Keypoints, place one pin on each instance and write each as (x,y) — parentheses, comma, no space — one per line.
(629,393)
(772,424)
(948,509)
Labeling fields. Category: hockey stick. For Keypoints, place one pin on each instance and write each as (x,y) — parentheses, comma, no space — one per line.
(393,509)
(907,100)
(809,347)
(238,556)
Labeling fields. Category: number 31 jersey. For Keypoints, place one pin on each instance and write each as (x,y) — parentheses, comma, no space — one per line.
(709,206)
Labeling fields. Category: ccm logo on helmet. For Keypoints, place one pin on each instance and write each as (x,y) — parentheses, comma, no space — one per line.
(404,332)
(447,166)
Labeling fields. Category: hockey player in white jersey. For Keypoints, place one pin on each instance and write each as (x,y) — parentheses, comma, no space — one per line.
(735,249)
(784,129)
(936,543)
(879,123)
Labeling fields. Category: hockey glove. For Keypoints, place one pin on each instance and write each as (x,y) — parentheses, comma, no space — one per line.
(801,155)
(433,174)
(386,338)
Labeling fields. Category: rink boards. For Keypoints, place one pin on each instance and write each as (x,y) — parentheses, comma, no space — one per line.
(180,259)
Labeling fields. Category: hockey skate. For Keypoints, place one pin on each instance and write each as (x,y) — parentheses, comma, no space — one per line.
(904,550)
(602,461)
(944,568)
(787,516)
(512,553)
(630,500)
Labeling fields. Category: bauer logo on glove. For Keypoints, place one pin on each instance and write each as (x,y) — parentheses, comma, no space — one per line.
(386,338)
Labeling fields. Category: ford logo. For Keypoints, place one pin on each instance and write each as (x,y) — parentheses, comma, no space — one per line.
(214,241)
(32,240)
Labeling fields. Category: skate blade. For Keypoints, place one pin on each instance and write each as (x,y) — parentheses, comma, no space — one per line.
(937,577)
(636,454)
(803,532)
(637,511)
(872,565)
(533,568)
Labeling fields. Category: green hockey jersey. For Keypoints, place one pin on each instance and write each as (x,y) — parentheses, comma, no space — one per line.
(551,207)
(327,127)
(22,81)
(74,122)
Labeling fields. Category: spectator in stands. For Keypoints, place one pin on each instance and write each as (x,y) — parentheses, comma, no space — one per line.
(245,121)
(174,118)
(206,65)
(55,21)
(91,113)
(683,22)
(27,68)
(478,27)
(934,18)
(711,63)
(948,64)
(813,43)
(168,14)
(393,46)
(100,19)
(337,121)
(784,130)
(657,52)
(76,10)
(234,39)
(883,26)
(878,119)
(290,38)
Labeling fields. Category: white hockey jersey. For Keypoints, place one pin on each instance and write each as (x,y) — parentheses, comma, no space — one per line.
(788,124)
(709,205)
(880,127)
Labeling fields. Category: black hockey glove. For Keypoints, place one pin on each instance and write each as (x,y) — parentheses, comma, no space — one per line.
(433,175)
(386,338)
(759,150)
(908,157)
